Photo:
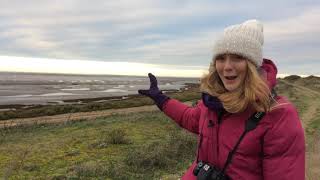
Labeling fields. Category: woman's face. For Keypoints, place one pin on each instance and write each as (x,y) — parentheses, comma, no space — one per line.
(232,70)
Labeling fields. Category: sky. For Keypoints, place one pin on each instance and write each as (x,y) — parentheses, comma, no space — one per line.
(165,37)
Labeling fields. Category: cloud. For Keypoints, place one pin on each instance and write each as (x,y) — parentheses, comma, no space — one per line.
(302,27)
(45,65)
(155,32)
(294,42)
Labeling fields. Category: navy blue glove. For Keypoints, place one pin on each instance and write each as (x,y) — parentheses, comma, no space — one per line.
(154,93)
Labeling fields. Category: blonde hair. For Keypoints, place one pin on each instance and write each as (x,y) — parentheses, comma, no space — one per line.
(253,92)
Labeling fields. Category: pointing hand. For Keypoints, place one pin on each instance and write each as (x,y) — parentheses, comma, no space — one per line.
(154,92)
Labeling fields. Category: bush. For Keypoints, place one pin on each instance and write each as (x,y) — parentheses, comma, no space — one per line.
(59,177)
(72,152)
(182,144)
(149,157)
(118,170)
(87,169)
(163,155)
(117,136)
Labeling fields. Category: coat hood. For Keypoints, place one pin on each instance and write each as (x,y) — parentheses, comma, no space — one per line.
(269,72)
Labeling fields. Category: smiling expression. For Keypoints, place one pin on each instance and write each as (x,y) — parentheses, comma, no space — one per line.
(232,70)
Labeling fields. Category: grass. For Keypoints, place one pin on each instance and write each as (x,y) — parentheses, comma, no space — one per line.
(134,146)
(299,99)
(314,126)
(302,100)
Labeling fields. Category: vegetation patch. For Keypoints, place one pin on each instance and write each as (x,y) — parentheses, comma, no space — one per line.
(133,146)
(314,126)
(129,146)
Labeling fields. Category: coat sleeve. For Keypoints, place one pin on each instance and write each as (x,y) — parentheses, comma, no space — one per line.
(284,147)
(187,117)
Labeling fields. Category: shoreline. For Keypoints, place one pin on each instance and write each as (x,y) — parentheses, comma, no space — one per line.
(188,92)
(75,101)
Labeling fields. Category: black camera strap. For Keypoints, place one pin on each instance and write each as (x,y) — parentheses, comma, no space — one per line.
(251,124)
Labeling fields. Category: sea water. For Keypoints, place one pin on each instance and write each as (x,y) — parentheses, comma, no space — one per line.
(32,88)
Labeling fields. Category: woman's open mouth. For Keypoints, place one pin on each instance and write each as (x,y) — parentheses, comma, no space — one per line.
(230,77)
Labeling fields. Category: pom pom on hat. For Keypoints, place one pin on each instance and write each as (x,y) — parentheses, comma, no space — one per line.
(244,39)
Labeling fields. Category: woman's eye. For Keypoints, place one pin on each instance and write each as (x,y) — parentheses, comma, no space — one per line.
(238,57)
(220,58)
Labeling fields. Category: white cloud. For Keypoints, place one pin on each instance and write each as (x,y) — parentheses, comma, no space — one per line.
(44,65)
(162,32)
(301,27)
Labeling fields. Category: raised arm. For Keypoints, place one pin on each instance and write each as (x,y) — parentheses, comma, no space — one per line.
(187,117)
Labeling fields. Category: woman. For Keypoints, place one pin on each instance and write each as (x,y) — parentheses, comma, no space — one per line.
(239,84)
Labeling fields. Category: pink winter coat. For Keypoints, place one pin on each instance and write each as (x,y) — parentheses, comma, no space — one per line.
(275,150)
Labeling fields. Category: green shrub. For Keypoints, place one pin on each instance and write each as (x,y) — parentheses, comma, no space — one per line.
(163,155)
(149,157)
(87,169)
(73,152)
(314,126)
(117,136)
(31,167)
(59,177)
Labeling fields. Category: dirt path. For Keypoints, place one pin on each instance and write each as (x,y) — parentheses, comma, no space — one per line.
(313,140)
(313,93)
(310,113)
(75,116)
(313,157)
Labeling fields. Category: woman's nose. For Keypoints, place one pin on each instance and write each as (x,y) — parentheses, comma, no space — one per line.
(228,64)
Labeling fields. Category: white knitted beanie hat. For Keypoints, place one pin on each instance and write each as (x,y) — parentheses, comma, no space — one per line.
(244,39)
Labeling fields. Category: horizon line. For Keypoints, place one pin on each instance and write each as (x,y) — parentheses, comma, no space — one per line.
(89,74)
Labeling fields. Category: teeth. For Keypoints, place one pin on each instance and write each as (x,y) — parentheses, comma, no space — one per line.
(231,77)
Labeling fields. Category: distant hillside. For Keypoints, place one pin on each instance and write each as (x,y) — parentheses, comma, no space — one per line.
(312,82)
